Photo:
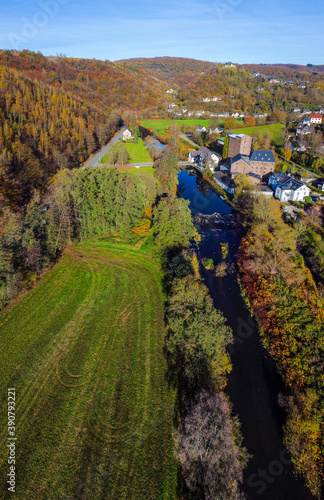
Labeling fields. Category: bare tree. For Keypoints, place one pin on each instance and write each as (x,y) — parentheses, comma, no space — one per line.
(212,461)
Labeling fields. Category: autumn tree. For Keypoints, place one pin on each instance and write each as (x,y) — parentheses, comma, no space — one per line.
(249,121)
(244,197)
(230,123)
(172,224)
(166,169)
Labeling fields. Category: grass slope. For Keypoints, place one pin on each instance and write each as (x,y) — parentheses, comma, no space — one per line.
(84,351)
(136,171)
(274,128)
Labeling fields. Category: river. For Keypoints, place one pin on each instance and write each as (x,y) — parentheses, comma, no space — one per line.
(254,383)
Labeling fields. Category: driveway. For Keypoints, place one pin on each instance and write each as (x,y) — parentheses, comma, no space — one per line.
(93,161)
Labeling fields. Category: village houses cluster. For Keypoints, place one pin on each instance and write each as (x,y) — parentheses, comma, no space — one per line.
(258,165)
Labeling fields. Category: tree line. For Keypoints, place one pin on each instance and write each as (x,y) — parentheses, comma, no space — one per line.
(208,440)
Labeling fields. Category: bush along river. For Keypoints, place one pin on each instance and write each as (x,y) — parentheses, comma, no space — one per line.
(254,383)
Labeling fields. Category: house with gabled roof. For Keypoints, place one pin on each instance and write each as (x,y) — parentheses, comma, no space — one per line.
(277,178)
(204,157)
(292,190)
(303,129)
(127,135)
(287,188)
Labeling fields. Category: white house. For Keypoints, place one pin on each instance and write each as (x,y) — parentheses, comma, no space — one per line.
(316,119)
(200,129)
(292,190)
(170,91)
(206,99)
(216,130)
(127,135)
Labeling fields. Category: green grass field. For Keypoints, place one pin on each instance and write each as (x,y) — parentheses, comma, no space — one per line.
(160,126)
(138,152)
(133,170)
(83,350)
(273,129)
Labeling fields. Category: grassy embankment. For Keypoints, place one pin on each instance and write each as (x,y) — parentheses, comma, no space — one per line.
(84,351)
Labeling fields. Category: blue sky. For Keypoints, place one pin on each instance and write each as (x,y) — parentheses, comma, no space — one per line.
(243,31)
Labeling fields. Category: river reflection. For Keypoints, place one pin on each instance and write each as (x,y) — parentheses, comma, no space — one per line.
(202,199)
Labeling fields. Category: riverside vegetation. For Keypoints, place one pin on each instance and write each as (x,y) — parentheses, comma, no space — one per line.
(208,439)
(287,304)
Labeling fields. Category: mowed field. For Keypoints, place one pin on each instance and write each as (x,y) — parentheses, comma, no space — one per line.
(84,351)
(138,153)
(160,126)
(274,129)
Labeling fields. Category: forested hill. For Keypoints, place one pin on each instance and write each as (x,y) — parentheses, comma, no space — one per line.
(103,83)
(43,129)
(252,88)
(182,71)
(55,112)
(174,70)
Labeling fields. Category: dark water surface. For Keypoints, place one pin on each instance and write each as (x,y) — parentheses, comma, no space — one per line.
(254,383)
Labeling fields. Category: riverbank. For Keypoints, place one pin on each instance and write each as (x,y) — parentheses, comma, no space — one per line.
(254,384)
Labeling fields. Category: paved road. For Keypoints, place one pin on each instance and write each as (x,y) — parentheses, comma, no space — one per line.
(94,160)
(183,136)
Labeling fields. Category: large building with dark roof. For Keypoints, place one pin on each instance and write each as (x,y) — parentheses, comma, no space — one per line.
(256,166)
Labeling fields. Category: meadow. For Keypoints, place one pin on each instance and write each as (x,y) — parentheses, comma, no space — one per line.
(138,153)
(274,129)
(84,351)
(160,126)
